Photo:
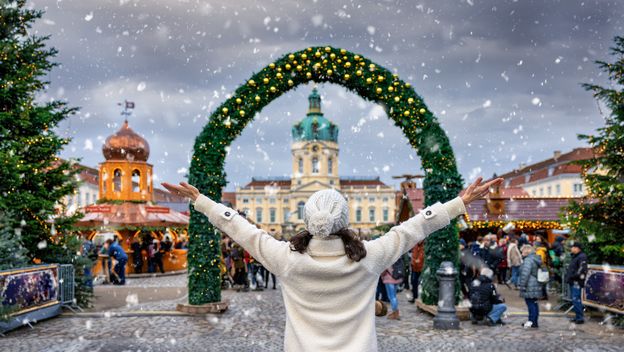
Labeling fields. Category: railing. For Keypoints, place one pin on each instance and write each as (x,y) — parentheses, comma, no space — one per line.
(67,287)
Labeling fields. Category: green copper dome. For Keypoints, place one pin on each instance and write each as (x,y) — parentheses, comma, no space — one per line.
(315,126)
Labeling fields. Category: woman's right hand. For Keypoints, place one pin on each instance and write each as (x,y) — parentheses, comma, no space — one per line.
(477,190)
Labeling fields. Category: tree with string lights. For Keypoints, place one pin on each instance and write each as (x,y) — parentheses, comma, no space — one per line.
(33,178)
(598,221)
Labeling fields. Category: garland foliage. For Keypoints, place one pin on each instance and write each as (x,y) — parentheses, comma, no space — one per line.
(357,74)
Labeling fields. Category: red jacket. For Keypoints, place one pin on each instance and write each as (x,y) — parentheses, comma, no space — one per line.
(418,257)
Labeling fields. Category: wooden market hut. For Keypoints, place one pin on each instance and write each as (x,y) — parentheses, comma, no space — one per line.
(126,202)
(514,208)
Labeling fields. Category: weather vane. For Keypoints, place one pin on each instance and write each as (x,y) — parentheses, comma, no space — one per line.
(128,107)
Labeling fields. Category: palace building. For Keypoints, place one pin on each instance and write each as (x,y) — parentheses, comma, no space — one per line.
(276,203)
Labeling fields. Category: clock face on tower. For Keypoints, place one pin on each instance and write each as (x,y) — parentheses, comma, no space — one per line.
(315,148)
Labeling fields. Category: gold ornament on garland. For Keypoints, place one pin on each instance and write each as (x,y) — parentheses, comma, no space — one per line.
(241,113)
(257,98)
(252,83)
(369,80)
(265,80)
(224,110)
(422,111)
(273,89)
(238,101)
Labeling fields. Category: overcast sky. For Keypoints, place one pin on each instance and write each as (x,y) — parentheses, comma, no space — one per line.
(503,77)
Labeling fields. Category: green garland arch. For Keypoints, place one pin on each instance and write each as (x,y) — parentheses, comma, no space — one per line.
(356,73)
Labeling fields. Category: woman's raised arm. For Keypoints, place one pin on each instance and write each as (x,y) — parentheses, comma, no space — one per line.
(267,250)
(384,251)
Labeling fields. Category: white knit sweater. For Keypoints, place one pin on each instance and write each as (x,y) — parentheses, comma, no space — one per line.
(329,298)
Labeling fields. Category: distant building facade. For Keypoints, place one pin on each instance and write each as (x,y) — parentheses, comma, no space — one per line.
(276,203)
(556,177)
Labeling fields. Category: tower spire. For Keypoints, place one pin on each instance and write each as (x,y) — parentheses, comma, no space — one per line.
(315,102)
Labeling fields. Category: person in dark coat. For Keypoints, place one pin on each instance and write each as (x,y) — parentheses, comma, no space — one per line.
(557,247)
(530,288)
(137,256)
(575,277)
(485,302)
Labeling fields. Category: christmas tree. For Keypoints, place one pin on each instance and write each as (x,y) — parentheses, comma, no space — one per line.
(33,178)
(598,221)
(12,254)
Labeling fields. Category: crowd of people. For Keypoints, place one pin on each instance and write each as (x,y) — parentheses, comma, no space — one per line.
(144,248)
(530,265)
(240,271)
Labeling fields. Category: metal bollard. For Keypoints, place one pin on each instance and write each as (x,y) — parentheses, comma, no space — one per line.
(446,319)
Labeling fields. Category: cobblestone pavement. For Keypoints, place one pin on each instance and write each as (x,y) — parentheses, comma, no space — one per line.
(255,322)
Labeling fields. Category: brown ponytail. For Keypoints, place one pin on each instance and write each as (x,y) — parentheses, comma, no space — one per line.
(354,247)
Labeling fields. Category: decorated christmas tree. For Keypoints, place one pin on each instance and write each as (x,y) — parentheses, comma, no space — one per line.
(33,178)
(598,221)
(12,254)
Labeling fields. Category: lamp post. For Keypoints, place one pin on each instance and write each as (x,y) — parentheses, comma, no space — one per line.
(446,319)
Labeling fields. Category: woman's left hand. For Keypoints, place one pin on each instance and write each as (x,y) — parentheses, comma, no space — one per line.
(183,190)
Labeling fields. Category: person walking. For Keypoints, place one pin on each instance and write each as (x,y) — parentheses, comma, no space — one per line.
(137,256)
(530,287)
(417,263)
(391,277)
(514,260)
(541,249)
(575,277)
(501,251)
(328,274)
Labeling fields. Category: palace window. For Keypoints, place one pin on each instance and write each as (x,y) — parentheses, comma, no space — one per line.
(258,215)
(272,212)
(558,189)
(358,215)
(385,214)
(330,166)
(315,165)
(300,166)
(371,214)
(300,207)
(286,214)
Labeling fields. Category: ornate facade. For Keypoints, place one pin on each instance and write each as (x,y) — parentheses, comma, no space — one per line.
(276,203)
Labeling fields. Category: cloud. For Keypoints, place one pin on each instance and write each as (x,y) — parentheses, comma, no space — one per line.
(178,60)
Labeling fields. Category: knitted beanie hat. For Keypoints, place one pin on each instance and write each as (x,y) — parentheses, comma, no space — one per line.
(326,212)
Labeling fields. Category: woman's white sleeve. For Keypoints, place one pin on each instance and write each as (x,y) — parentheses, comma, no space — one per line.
(384,251)
(263,247)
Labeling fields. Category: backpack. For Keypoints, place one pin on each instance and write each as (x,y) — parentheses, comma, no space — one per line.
(554,258)
(398,269)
